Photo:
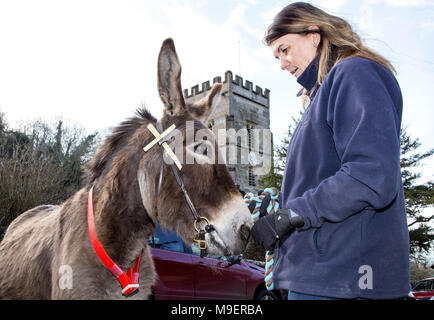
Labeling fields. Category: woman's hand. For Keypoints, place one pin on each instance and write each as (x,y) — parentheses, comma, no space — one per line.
(273,227)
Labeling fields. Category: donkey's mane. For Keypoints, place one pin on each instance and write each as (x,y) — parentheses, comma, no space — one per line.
(114,142)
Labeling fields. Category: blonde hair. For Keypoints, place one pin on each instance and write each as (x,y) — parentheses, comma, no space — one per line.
(338,40)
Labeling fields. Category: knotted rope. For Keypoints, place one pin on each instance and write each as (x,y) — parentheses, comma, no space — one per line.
(259,206)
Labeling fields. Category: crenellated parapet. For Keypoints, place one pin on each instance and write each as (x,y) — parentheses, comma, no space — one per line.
(241,106)
(236,84)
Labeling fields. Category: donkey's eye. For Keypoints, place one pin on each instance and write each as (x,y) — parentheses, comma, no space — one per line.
(201,149)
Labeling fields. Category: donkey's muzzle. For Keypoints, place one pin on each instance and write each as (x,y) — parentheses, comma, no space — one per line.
(244,233)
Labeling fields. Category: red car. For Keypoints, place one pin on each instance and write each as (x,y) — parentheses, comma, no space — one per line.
(424,289)
(184,275)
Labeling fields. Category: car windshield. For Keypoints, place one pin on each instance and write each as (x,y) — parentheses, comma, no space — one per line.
(424,285)
(170,240)
(167,240)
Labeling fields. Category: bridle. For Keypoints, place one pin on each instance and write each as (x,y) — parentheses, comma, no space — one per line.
(200,237)
(129,280)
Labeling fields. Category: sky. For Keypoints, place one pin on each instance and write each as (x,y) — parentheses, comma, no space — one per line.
(94,62)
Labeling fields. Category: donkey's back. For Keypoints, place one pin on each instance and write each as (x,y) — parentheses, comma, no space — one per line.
(26,253)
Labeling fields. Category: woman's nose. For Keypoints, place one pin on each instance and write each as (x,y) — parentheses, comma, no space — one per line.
(283,64)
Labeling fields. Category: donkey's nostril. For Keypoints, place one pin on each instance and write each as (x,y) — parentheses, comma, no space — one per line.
(244,232)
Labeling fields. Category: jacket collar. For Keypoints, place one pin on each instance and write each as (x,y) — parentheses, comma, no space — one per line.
(309,76)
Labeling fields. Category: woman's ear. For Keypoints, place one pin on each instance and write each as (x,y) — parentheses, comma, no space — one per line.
(316,36)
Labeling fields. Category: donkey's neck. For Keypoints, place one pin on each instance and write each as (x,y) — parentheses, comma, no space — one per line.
(122,224)
(122,214)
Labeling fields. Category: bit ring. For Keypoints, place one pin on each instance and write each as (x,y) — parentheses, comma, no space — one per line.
(200,219)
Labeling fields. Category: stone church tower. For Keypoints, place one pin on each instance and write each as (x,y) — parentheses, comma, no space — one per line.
(241,107)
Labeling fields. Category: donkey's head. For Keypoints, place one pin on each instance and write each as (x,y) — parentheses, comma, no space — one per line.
(207,182)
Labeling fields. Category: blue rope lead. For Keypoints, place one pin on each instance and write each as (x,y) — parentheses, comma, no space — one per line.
(269,260)
(272,207)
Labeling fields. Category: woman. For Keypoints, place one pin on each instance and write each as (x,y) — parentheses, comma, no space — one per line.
(342,176)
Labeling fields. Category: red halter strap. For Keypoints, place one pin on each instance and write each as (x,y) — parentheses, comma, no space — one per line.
(129,281)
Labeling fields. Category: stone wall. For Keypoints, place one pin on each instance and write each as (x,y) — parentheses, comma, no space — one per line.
(242,106)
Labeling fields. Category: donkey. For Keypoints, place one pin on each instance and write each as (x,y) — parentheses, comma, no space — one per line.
(46,243)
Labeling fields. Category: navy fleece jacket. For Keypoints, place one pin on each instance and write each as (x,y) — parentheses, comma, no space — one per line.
(343,177)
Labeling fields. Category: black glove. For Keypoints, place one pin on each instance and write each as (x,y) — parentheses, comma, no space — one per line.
(273,227)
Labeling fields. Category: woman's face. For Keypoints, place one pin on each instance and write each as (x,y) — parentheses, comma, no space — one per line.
(295,51)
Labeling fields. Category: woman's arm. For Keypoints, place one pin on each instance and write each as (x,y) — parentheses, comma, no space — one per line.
(364,112)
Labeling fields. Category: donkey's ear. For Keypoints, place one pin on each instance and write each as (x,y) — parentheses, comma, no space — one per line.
(202,108)
(169,79)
